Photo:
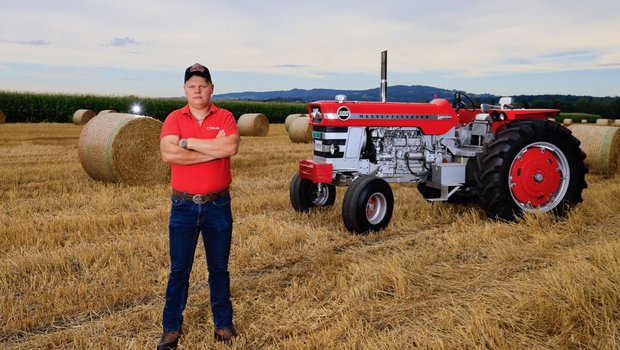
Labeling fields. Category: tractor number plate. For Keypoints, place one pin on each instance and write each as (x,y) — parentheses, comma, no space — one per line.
(318,145)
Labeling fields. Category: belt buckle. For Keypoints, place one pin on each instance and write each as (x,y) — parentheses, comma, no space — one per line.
(199,199)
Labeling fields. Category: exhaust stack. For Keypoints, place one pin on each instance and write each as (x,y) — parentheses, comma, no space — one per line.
(384,76)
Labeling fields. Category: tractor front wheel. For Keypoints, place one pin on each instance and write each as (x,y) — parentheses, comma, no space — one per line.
(367,205)
(532,165)
(305,194)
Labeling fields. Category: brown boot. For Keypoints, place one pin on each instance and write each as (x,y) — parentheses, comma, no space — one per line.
(225,335)
(169,340)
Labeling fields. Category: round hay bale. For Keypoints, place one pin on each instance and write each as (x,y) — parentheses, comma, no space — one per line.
(106,111)
(601,145)
(567,122)
(82,116)
(616,122)
(289,119)
(584,121)
(253,124)
(603,122)
(118,147)
(300,130)
(2,117)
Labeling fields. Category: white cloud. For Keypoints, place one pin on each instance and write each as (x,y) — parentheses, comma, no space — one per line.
(116,42)
(32,42)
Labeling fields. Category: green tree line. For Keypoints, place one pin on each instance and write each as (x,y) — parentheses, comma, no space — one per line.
(605,107)
(39,107)
(26,107)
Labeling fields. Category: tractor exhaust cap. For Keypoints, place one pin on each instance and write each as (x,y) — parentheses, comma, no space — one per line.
(384,76)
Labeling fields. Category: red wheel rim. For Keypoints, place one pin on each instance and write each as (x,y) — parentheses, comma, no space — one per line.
(376,208)
(538,175)
(370,207)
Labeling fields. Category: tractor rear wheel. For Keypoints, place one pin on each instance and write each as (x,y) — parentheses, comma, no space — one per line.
(306,194)
(367,205)
(532,165)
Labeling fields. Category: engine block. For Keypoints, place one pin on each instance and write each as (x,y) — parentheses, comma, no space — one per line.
(396,154)
(400,153)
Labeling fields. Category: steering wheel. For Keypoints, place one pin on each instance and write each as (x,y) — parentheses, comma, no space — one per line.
(461,100)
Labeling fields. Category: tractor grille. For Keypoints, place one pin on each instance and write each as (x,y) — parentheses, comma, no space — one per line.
(329,141)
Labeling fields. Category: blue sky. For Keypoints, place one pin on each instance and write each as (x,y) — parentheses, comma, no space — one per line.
(141,47)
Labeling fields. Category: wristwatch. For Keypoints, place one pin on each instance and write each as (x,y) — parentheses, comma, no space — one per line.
(183,143)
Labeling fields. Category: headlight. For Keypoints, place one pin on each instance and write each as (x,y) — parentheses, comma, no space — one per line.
(316,115)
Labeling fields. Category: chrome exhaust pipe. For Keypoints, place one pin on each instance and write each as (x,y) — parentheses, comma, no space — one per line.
(384,76)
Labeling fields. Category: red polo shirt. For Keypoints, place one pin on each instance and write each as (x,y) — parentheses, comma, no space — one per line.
(207,177)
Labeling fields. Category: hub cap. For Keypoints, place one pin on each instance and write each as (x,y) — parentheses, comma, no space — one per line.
(319,194)
(376,207)
(539,177)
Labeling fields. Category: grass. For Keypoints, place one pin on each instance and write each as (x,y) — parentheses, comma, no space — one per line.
(83,264)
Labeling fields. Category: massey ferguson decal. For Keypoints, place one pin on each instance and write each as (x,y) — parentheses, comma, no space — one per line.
(344,113)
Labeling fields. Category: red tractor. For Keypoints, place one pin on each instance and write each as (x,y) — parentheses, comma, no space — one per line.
(509,160)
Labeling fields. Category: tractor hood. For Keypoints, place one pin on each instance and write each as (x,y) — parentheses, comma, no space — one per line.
(434,118)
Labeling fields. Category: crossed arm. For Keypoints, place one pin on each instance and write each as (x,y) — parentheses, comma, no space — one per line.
(198,150)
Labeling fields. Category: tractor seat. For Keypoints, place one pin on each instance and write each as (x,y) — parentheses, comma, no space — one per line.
(504,103)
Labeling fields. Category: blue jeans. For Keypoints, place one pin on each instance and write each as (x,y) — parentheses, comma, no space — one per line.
(187,221)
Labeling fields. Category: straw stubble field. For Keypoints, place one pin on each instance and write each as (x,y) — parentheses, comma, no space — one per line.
(83,264)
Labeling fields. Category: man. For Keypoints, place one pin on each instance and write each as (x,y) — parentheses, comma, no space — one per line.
(198,141)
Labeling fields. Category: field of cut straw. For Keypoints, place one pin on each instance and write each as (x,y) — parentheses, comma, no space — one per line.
(83,264)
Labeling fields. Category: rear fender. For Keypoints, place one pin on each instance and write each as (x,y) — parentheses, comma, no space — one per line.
(502,117)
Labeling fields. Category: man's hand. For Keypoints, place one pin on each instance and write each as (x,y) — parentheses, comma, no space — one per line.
(198,150)
(222,146)
(184,143)
(172,152)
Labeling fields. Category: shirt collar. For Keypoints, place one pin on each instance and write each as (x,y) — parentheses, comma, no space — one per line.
(212,109)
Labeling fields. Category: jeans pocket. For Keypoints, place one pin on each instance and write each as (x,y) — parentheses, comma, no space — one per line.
(176,201)
(222,202)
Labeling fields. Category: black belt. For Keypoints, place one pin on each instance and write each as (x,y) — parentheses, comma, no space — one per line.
(200,198)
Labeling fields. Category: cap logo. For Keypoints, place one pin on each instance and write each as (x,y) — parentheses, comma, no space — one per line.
(197,68)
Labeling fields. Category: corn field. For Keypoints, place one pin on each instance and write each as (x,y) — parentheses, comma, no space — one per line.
(83,264)
(25,107)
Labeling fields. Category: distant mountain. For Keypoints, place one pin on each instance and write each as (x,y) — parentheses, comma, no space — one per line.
(396,93)
(606,107)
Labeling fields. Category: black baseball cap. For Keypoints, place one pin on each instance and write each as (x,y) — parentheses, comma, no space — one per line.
(197,69)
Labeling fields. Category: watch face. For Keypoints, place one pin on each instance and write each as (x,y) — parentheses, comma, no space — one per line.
(184,143)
